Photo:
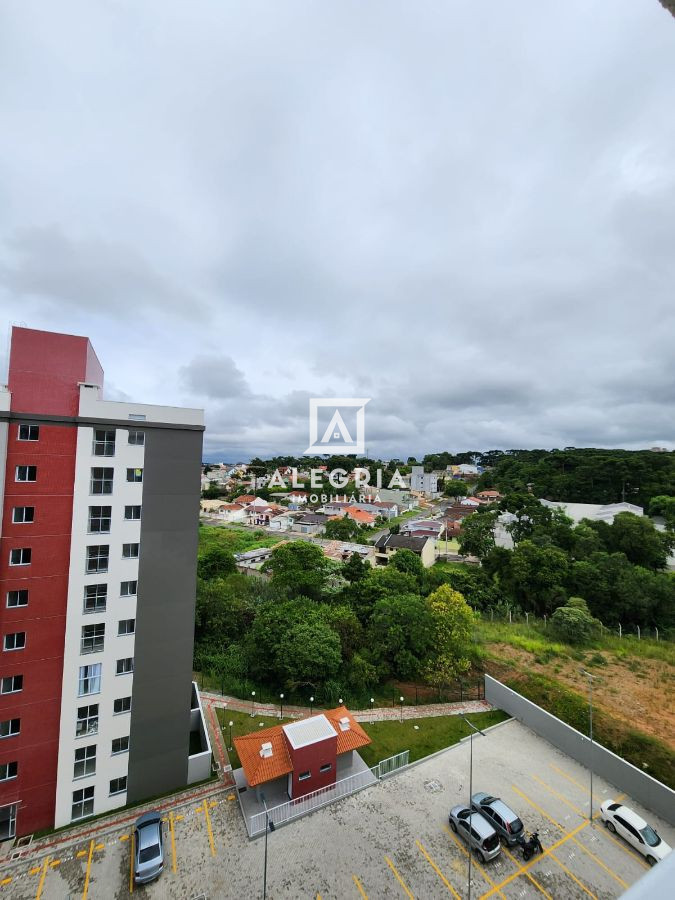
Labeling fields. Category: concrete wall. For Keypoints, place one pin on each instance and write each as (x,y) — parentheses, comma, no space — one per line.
(199,764)
(655,796)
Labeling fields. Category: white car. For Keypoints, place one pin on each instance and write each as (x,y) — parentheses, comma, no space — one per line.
(623,821)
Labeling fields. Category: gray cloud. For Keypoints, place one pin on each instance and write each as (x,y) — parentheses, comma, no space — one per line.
(465,216)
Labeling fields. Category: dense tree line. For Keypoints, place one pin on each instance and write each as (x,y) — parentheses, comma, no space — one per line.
(618,569)
(583,475)
(318,627)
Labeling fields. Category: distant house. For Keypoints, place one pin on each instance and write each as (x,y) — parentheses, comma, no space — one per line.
(341,551)
(252,559)
(310,523)
(245,499)
(335,508)
(281,521)
(232,512)
(360,516)
(430,527)
(386,508)
(489,495)
(471,501)
(298,498)
(301,757)
(388,544)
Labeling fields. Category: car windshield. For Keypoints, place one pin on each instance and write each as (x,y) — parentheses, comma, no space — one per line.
(516,826)
(148,853)
(650,836)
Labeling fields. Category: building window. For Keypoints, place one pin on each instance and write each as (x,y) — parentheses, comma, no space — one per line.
(128,588)
(17,598)
(10,728)
(135,475)
(92,638)
(99,519)
(95,598)
(101,481)
(125,666)
(87,720)
(137,438)
(26,473)
(11,684)
(130,551)
(8,770)
(97,558)
(8,821)
(29,432)
(121,705)
(15,641)
(85,761)
(126,626)
(120,745)
(132,513)
(22,515)
(89,681)
(83,803)
(303,776)
(118,785)
(104,443)
(20,556)
(326,767)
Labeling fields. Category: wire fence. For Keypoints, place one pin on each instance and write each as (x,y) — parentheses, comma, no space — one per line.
(618,629)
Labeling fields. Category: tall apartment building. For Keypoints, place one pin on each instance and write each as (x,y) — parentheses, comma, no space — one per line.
(423,482)
(98,547)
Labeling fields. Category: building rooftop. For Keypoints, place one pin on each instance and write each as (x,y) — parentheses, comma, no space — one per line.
(309,731)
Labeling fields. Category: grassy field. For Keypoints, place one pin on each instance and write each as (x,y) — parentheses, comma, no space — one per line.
(234,538)
(634,715)
(420,736)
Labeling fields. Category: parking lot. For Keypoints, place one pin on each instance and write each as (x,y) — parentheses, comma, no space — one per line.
(391,840)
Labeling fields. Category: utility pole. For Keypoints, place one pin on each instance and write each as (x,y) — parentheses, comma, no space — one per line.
(591,679)
(478,731)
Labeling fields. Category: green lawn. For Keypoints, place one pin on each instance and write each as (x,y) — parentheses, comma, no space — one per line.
(421,736)
(410,514)
(234,538)
(443,566)
(388,738)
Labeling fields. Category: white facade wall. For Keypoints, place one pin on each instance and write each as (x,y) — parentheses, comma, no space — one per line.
(116,647)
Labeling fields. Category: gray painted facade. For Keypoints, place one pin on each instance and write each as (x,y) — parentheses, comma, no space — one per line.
(160,709)
(651,793)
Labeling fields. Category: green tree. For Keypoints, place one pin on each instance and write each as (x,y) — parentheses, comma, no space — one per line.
(344,529)
(537,574)
(399,635)
(477,535)
(408,562)
(663,506)
(574,623)
(216,562)
(379,583)
(310,653)
(452,622)
(452,488)
(355,568)
(298,567)
(642,544)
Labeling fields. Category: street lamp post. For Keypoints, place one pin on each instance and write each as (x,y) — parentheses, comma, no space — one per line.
(478,731)
(401,700)
(281,703)
(340,701)
(591,679)
(252,703)
(231,723)
(311,705)
(372,700)
(269,826)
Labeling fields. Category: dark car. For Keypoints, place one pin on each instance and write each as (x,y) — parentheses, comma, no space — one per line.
(502,818)
(148,848)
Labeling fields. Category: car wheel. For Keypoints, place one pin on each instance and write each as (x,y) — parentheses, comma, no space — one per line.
(480,856)
(611,827)
(651,860)
(453,826)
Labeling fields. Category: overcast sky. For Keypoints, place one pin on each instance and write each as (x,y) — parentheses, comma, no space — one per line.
(464,211)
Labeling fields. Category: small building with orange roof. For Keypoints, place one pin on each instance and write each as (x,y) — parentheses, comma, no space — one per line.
(300,757)
(360,516)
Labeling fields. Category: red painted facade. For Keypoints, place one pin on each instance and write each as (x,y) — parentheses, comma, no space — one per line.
(310,759)
(44,373)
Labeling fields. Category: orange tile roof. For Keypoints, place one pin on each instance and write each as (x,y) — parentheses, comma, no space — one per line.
(359,515)
(245,498)
(260,769)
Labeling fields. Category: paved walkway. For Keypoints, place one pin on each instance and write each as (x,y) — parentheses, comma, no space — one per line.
(378,714)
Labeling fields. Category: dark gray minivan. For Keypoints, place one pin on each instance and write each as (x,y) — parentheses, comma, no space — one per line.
(503,819)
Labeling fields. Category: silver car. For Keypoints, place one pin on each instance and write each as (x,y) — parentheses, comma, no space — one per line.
(476,831)
(148,848)
(502,818)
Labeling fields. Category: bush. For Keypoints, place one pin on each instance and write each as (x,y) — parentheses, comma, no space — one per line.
(574,623)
